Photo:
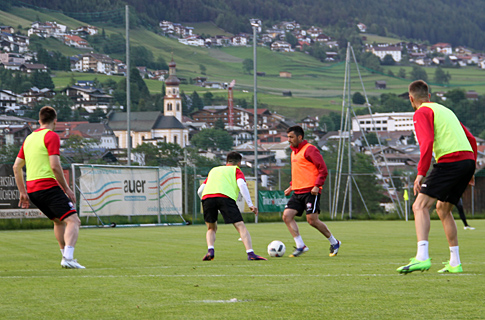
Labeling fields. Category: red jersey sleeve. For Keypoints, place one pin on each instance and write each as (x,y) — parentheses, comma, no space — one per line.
(313,155)
(424,126)
(52,143)
(21,154)
(472,140)
(240,174)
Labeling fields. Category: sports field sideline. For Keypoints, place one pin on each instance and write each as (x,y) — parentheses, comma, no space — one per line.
(158,273)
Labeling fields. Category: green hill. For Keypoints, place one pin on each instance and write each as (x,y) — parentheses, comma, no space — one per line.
(316,87)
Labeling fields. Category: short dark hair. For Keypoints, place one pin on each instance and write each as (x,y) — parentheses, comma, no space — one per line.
(419,90)
(233,157)
(47,115)
(297,130)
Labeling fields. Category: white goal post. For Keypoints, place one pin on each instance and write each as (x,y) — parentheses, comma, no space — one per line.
(107,191)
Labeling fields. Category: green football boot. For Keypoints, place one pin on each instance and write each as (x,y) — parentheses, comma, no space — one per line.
(415,265)
(451,269)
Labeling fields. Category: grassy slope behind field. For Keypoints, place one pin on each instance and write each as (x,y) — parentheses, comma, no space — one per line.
(317,87)
(157,273)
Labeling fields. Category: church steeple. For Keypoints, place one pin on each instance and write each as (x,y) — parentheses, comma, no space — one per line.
(172,105)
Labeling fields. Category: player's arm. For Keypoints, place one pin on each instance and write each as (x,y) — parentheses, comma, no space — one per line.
(471,140)
(243,187)
(201,188)
(55,163)
(473,143)
(19,180)
(313,155)
(424,127)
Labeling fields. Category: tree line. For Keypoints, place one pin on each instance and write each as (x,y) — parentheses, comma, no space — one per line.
(455,22)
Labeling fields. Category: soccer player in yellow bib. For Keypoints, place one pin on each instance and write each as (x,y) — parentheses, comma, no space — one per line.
(40,154)
(219,192)
(438,130)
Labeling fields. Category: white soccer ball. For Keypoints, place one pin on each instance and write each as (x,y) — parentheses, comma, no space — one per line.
(276,249)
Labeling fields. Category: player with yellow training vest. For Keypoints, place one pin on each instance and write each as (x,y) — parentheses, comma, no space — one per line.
(308,174)
(219,192)
(40,154)
(438,130)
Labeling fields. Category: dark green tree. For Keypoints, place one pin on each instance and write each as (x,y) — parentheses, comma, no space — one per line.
(212,138)
(163,154)
(42,80)
(247,65)
(80,150)
(197,102)
(358,98)
(418,73)
(388,60)
(402,73)
(219,124)
(208,98)
(442,77)
(291,39)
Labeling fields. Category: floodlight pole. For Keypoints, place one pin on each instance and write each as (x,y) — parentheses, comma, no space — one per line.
(255,24)
(128,97)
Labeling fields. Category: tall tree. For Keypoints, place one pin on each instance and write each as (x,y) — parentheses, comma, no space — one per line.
(212,138)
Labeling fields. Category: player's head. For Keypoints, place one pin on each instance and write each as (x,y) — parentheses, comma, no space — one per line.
(295,135)
(233,158)
(47,115)
(418,93)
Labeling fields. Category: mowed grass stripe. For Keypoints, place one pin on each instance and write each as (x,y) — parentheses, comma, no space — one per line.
(157,273)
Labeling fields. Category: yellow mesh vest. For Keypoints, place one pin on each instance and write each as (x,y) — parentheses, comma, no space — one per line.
(222,180)
(37,157)
(449,136)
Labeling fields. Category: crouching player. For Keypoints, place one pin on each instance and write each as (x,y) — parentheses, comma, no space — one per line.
(219,192)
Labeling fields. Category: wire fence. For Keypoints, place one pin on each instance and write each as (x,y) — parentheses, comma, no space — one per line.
(370,202)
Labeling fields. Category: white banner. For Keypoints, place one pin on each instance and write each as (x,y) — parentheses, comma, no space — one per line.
(130,191)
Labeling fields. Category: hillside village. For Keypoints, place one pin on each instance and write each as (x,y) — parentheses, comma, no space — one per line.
(109,136)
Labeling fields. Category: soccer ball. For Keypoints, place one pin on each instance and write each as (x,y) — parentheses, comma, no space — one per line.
(276,249)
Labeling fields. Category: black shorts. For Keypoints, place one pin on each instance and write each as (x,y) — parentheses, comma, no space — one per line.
(227,206)
(53,202)
(304,201)
(448,181)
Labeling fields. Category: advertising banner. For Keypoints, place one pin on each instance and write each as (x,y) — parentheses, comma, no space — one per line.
(9,197)
(272,201)
(130,191)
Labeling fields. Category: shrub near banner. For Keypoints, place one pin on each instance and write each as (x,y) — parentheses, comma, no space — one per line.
(9,197)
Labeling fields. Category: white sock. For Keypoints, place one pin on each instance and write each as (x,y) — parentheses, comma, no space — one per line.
(299,242)
(332,240)
(210,247)
(454,256)
(422,251)
(249,251)
(62,252)
(69,252)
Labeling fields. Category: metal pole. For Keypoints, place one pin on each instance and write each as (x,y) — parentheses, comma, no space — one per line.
(329,178)
(128,97)
(255,124)
(350,137)
(158,196)
(186,187)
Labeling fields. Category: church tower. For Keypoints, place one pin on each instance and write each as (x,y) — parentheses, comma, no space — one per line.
(172,105)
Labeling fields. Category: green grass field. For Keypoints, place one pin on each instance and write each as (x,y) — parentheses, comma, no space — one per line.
(157,273)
